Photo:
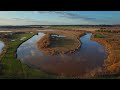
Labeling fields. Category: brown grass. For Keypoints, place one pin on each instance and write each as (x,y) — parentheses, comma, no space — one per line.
(77,29)
(112,44)
(70,44)
(44,42)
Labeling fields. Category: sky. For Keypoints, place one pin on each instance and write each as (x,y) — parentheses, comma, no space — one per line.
(59,17)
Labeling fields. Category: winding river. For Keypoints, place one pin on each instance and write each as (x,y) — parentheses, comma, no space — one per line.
(90,56)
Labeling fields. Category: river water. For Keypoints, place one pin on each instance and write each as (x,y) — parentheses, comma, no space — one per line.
(1,46)
(90,56)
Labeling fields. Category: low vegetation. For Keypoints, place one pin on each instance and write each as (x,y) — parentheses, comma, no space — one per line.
(98,36)
(109,31)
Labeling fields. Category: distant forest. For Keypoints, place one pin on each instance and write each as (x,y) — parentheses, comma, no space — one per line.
(42,26)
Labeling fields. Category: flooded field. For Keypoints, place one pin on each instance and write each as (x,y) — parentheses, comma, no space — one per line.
(90,56)
(1,46)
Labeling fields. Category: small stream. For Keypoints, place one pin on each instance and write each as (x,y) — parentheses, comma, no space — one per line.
(90,56)
(1,46)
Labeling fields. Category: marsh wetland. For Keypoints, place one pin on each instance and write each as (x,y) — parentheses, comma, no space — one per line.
(59,53)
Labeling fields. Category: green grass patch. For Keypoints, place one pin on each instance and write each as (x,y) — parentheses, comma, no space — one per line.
(98,36)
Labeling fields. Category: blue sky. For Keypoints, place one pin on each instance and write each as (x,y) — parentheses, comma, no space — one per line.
(59,17)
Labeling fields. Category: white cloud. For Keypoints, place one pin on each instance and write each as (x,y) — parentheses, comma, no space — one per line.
(28,21)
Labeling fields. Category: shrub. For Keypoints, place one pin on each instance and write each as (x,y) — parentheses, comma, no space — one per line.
(98,36)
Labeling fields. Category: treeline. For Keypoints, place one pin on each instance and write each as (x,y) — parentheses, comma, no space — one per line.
(84,25)
(16,27)
(28,26)
(42,26)
(110,31)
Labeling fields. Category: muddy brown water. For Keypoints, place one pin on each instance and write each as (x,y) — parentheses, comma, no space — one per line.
(1,46)
(91,55)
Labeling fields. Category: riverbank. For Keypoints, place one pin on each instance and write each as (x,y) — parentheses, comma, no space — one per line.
(111,67)
(5,41)
(4,50)
(68,43)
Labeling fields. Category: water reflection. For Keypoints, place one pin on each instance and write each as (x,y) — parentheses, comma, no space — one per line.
(29,47)
(89,56)
(1,46)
